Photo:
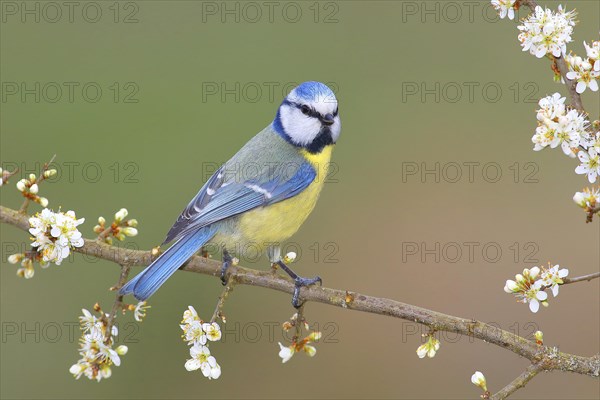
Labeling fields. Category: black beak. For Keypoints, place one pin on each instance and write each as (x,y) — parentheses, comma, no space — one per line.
(327,119)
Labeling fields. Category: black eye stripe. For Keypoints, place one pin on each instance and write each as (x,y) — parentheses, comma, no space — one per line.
(312,112)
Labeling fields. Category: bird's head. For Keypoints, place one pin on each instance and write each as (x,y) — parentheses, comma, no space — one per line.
(308,117)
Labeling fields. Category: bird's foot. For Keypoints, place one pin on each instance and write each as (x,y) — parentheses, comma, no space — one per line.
(227,261)
(299,282)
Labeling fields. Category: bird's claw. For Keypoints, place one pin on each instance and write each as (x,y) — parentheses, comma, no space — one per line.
(300,282)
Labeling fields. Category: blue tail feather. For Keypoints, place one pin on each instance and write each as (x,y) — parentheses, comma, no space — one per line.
(151,279)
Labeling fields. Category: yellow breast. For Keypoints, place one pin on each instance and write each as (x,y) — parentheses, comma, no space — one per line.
(277,222)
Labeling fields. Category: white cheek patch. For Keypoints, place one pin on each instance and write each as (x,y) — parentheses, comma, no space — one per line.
(300,128)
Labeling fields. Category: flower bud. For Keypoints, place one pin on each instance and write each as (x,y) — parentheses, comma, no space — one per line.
(131,222)
(128,231)
(34,188)
(49,173)
(479,380)
(101,221)
(539,337)
(511,286)
(32,178)
(289,257)
(105,371)
(579,199)
(310,350)
(42,201)
(122,350)
(120,215)
(28,273)
(76,369)
(16,258)
(21,185)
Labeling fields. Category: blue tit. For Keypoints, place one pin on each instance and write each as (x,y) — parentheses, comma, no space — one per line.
(261,196)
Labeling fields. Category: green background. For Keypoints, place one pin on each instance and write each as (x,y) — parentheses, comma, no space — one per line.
(162,145)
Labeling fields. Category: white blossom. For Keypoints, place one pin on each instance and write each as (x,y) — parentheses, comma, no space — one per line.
(55,234)
(505,8)
(586,199)
(534,296)
(528,288)
(546,32)
(201,359)
(286,353)
(190,315)
(65,230)
(198,334)
(194,334)
(139,311)
(582,71)
(213,331)
(429,348)
(95,348)
(559,126)
(552,278)
(590,164)
(593,53)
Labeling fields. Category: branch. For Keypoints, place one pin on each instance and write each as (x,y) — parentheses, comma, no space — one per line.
(582,278)
(519,382)
(550,358)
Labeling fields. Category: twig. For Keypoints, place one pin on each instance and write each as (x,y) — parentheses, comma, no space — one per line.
(591,212)
(5,176)
(553,359)
(519,382)
(299,322)
(118,304)
(582,278)
(221,302)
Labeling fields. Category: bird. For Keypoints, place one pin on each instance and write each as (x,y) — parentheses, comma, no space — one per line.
(261,196)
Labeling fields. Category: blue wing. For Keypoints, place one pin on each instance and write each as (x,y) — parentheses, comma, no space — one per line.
(220,199)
